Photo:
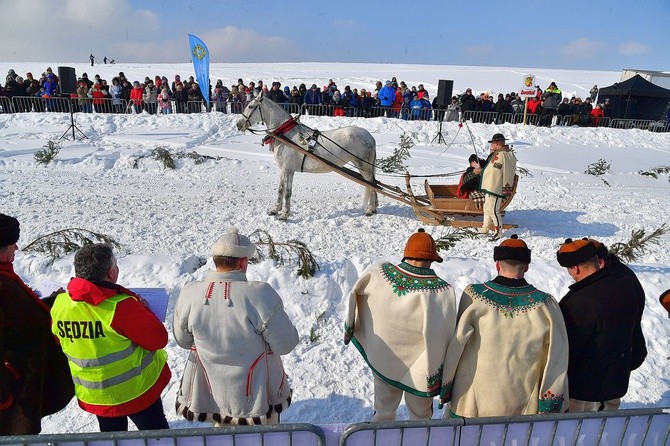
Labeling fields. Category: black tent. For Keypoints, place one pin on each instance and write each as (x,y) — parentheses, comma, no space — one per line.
(635,98)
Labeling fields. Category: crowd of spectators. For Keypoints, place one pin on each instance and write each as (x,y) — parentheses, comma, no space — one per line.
(390,98)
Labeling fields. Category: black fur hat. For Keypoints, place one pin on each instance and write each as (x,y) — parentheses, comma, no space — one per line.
(512,249)
(573,253)
(9,230)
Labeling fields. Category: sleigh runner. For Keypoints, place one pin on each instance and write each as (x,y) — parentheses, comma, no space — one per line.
(438,206)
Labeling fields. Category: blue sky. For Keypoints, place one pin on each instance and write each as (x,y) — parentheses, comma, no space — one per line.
(570,34)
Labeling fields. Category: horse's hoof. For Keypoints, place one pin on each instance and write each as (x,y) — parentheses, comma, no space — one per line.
(370,213)
(282,217)
(272,212)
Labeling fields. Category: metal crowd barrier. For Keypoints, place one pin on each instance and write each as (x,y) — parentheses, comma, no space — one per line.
(290,107)
(491,117)
(659,126)
(569,120)
(602,122)
(25,104)
(298,434)
(531,118)
(5,105)
(99,105)
(480,116)
(642,124)
(634,427)
(630,427)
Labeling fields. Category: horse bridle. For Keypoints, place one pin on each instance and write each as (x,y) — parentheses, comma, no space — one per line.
(247,119)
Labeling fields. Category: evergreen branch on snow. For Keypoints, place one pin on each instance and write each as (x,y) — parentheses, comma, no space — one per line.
(395,162)
(453,236)
(315,331)
(60,243)
(292,251)
(167,158)
(524,171)
(639,240)
(598,168)
(47,153)
(654,172)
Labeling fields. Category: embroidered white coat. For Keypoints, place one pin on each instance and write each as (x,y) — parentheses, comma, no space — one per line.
(236,331)
(403,333)
(509,355)
(498,175)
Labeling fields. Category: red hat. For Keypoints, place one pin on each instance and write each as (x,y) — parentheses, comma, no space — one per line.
(421,246)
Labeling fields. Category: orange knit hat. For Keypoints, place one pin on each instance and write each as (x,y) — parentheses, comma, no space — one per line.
(573,253)
(665,300)
(421,246)
(512,249)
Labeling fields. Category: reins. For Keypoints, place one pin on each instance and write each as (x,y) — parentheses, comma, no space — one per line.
(293,122)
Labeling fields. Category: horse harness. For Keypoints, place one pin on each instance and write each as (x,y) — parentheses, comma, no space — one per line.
(289,125)
(310,141)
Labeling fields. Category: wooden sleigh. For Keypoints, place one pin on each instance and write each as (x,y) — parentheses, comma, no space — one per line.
(439,206)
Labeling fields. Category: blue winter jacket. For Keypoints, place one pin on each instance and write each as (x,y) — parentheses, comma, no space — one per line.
(312,97)
(386,96)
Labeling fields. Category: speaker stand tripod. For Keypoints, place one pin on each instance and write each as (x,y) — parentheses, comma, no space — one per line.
(439,137)
(73,127)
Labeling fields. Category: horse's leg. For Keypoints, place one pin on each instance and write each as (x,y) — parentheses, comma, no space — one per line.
(287,180)
(280,194)
(370,199)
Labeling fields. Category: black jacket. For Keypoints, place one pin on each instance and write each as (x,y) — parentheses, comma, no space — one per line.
(277,96)
(34,370)
(602,315)
(624,273)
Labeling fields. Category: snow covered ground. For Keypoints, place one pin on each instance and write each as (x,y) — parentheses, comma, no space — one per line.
(167,219)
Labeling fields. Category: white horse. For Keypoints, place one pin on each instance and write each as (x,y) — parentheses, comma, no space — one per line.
(339,146)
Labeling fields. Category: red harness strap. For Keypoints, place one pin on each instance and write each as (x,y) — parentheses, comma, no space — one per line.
(285,127)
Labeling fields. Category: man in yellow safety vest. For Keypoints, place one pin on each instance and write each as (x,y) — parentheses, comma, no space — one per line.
(114,345)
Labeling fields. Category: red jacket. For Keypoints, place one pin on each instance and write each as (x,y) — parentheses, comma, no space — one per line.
(597,113)
(137,323)
(533,105)
(397,103)
(98,96)
(136,95)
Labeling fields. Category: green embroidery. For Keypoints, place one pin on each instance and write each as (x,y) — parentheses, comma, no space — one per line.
(509,301)
(434,381)
(405,278)
(550,403)
(394,383)
(348,332)
(445,392)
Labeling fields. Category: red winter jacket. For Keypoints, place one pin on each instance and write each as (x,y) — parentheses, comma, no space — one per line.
(533,106)
(136,95)
(98,96)
(137,323)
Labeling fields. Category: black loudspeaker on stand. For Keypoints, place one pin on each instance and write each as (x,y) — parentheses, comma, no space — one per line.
(444,91)
(443,98)
(67,83)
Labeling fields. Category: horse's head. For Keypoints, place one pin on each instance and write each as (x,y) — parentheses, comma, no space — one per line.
(251,114)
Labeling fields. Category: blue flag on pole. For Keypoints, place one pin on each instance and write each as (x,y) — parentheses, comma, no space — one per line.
(200,56)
